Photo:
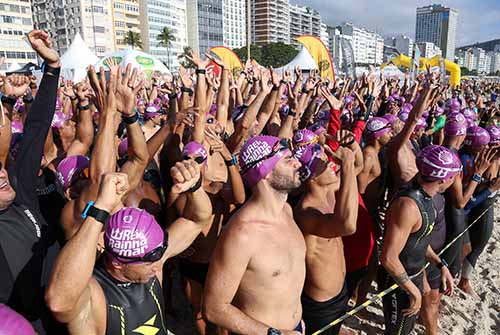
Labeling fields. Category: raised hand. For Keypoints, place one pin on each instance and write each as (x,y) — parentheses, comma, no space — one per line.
(298,73)
(42,44)
(15,85)
(287,76)
(127,89)
(275,77)
(217,61)
(185,77)
(334,102)
(213,81)
(82,91)
(194,57)
(185,175)
(104,92)
(111,190)
(68,89)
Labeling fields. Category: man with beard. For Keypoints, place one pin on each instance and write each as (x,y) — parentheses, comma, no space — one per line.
(257,270)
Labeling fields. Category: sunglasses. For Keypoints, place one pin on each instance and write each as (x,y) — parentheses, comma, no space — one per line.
(153,256)
(197,159)
(281,145)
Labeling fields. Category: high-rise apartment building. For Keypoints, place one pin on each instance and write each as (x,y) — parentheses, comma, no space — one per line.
(367,45)
(429,49)
(438,24)
(303,21)
(402,43)
(495,61)
(64,18)
(125,18)
(15,23)
(234,23)
(205,24)
(270,21)
(154,16)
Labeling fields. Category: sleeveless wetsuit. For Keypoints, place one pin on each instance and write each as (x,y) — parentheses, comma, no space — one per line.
(132,308)
(438,241)
(413,259)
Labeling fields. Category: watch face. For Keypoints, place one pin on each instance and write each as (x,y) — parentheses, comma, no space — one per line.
(273,331)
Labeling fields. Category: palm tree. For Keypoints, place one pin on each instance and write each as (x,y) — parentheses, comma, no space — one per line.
(183,59)
(133,39)
(165,39)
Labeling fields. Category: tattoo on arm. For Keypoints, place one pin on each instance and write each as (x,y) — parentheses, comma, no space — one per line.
(401,278)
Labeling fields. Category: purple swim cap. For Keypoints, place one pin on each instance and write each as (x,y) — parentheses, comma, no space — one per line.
(425,114)
(438,163)
(477,137)
(140,102)
(59,104)
(309,156)
(213,109)
(403,116)
(12,323)
(323,116)
(438,111)
(407,107)
(390,118)
(157,102)
(151,111)
(123,147)
(377,127)
(304,137)
(132,233)
(469,114)
(421,124)
(238,112)
(494,132)
(402,100)
(258,156)
(454,105)
(194,149)
(455,125)
(17,127)
(70,168)
(317,128)
(59,119)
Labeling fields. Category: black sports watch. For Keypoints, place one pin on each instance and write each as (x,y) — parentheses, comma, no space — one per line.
(98,214)
(273,331)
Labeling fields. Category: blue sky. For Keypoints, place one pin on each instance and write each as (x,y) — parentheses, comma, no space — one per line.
(478,20)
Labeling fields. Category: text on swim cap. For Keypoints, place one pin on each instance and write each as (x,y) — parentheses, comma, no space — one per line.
(128,242)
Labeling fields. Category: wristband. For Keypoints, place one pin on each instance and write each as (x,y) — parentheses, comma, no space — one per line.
(51,70)
(131,119)
(83,108)
(195,186)
(9,100)
(443,263)
(187,90)
(172,96)
(214,89)
(283,81)
(477,178)
(292,113)
(99,215)
(74,98)
(305,91)
(243,73)
(275,88)
(201,71)
(233,161)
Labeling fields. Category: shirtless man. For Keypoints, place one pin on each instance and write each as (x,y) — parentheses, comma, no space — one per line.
(402,149)
(122,292)
(409,223)
(377,134)
(257,270)
(325,214)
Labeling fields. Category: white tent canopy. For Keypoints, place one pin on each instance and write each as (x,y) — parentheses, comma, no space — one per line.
(138,59)
(303,59)
(76,59)
(13,67)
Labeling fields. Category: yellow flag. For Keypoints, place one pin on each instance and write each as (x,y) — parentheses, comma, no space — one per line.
(229,58)
(320,54)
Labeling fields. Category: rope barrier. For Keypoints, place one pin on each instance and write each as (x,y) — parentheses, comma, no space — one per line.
(379,296)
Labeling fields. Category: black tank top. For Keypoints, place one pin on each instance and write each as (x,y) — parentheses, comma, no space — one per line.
(132,308)
(413,254)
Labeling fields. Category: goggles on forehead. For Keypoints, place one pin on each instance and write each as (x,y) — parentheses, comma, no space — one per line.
(281,145)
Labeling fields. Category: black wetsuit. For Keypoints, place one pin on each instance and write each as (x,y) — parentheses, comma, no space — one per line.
(51,200)
(455,225)
(27,246)
(413,260)
(131,308)
(438,240)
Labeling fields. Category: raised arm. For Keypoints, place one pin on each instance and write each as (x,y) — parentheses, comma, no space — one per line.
(85,125)
(38,121)
(68,292)
(197,212)
(200,96)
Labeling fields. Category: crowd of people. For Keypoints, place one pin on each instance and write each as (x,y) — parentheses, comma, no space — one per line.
(279,198)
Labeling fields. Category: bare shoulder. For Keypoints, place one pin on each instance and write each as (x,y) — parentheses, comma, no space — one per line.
(403,211)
